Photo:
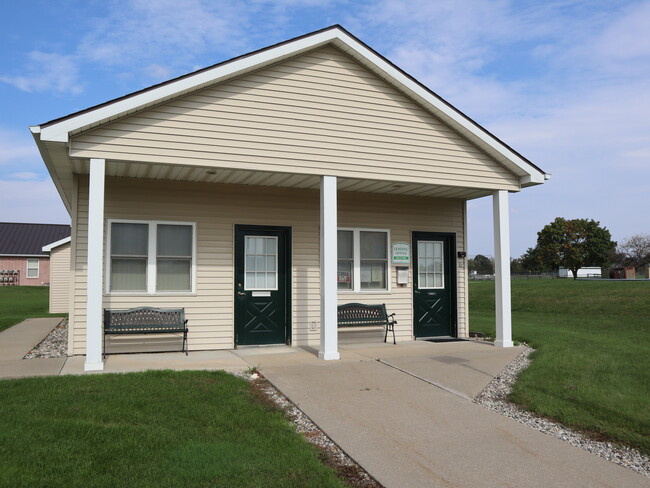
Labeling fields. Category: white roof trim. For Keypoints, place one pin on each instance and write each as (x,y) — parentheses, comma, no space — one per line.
(60,131)
(58,243)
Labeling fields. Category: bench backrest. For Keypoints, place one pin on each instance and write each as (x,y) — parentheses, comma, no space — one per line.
(145,317)
(360,314)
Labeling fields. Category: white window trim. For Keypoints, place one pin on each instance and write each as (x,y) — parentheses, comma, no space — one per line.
(38,269)
(417,268)
(151,274)
(356,263)
(277,264)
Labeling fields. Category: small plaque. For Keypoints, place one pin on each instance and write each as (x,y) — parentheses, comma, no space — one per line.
(401,253)
(261,293)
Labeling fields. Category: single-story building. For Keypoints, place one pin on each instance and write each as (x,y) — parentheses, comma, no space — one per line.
(260,192)
(22,260)
(59,252)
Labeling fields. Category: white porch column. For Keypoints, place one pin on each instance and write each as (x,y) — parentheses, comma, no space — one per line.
(502,269)
(94,334)
(329,342)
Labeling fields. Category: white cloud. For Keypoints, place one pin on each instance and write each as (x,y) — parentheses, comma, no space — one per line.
(47,72)
(157,72)
(25,175)
(31,201)
(144,30)
(17,148)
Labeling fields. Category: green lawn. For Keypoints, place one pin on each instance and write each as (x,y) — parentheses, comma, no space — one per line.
(18,303)
(591,368)
(155,429)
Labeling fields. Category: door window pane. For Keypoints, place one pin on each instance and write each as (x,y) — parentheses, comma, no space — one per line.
(260,263)
(430,264)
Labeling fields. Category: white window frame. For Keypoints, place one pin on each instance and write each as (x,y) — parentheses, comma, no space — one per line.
(356,262)
(417,268)
(277,264)
(27,268)
(152,255)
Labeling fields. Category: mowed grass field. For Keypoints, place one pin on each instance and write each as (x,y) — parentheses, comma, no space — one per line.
(591,367)
(156,429)
(18,303)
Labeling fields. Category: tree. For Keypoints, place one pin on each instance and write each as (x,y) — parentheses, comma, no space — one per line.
(481,264)
(573,244)
(636,250)
(531,260)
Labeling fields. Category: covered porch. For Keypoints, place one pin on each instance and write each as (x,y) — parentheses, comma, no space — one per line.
(329,191)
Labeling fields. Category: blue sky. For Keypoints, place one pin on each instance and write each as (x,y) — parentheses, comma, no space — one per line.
(566,83)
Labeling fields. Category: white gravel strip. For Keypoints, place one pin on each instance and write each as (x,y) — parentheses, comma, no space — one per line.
(312,433)
(55,345)
(494,397)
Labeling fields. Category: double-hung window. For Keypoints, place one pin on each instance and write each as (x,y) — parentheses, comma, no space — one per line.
(363,260)
(32,267)
(151,257)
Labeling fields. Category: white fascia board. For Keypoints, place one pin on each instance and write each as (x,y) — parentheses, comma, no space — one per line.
(59,132)
(45,155)
(58,243)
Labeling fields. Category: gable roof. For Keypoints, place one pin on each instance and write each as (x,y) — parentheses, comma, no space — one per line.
(18,239)
(60,129)
(56,244)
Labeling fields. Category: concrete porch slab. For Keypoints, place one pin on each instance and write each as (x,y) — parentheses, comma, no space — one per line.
(198,360)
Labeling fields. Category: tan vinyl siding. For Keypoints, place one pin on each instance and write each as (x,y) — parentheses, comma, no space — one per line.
(318,113)
(216,209)
(59,278)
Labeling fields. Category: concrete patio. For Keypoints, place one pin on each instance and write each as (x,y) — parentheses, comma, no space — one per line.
(402,412)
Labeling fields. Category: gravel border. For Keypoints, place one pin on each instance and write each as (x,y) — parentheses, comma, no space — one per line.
(344,464)
(55,344)
(494,398)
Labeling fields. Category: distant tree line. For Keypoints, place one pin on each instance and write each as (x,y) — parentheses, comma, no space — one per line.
(573,244)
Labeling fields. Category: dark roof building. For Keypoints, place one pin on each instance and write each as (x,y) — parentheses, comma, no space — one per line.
(17,239)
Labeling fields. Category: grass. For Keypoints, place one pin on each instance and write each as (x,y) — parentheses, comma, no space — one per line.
(591,368)
(18,303)
(155,429)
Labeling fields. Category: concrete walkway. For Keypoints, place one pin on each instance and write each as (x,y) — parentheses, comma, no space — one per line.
(18,340)
(408,432)
(403,412)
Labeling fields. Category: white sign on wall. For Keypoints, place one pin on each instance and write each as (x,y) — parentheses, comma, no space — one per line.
(401,253)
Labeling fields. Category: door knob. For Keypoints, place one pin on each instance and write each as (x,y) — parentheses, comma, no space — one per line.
(241,293)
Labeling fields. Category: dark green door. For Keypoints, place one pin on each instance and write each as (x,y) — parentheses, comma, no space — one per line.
(262,285)
(434,284)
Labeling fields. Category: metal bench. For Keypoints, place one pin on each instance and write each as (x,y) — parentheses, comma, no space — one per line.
(354,314)
(146,320)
